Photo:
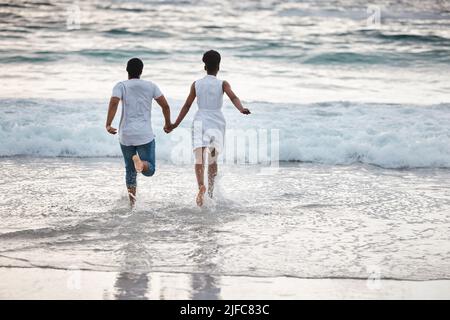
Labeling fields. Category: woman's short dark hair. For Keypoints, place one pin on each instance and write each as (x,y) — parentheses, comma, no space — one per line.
(135,67)
(211,59)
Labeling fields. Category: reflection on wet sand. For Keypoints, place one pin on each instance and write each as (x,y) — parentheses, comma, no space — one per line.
(205,285)
(131,286)
(134,281)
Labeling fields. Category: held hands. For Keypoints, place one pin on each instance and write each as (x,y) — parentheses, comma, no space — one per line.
(169,127)
(245,111)
(111,130)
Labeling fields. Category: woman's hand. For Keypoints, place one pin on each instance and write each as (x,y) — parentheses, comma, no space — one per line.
(111,130)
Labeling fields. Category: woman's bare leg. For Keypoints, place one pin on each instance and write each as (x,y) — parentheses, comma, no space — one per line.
(200,174)
(212,171)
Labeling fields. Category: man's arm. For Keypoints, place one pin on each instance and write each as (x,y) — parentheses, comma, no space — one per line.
(187,105)
(234,99)
(166,111)
(112,109)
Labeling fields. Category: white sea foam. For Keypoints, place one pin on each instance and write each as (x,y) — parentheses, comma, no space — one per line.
(392,136)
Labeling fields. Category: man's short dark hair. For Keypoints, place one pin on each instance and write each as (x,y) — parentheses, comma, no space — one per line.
(211,59)
(135,67)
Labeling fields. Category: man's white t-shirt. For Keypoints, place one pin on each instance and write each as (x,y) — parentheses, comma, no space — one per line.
(135,126)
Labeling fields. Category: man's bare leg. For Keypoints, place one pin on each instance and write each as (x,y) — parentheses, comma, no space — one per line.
(212,171)
(200,174)
(139,164)
(132,195)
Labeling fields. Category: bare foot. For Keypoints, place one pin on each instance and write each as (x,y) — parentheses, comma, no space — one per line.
(138,164)
(201,193)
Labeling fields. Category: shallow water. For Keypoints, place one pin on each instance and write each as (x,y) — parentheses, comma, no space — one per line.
(306,221)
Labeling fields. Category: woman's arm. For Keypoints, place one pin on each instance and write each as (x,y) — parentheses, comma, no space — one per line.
(187,105)
(234,99)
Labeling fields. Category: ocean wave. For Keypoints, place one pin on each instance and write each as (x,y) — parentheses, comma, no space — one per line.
(394,37)
(379,58)
(38,57)
(270,51)
(389,11)
(105,36)
(391,136)
(148,33)
(403,37)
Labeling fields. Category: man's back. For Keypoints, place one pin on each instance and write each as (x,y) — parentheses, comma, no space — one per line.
(135,123)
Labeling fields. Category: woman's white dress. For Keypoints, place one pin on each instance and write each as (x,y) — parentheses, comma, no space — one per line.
(208,127)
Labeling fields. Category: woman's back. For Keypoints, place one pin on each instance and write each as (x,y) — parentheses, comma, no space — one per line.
(209,92)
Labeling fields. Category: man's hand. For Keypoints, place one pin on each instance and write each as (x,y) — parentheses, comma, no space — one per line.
(245,111)
(111,130)
(112,109)
(168,128)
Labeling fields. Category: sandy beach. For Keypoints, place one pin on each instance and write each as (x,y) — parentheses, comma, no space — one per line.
(34,283)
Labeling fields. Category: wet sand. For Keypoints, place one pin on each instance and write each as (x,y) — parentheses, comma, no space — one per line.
(34,283)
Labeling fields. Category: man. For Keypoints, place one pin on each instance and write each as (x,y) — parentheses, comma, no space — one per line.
(136,136)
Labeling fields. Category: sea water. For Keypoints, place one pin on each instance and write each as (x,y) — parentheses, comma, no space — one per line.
(358,95)
(305,221)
